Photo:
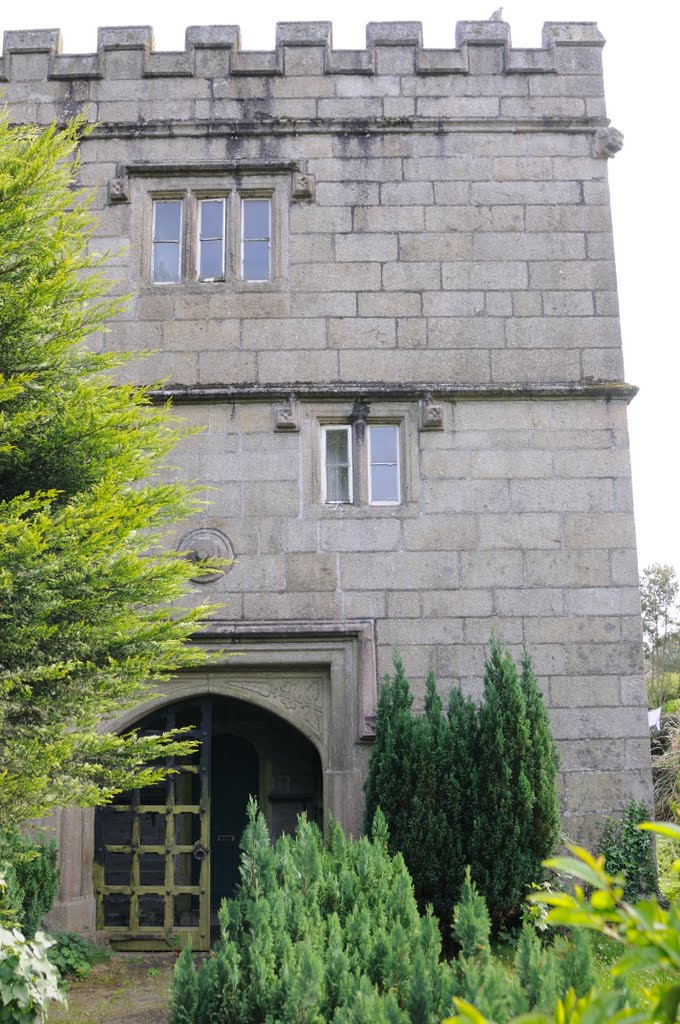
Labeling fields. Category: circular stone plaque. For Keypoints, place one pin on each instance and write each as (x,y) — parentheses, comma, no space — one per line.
(207,545)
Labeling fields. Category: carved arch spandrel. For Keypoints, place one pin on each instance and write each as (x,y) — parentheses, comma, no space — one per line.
(299,699)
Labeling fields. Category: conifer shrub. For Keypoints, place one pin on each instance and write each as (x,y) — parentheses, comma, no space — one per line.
(542,973)
(628,850)
(476,786)
(318,932)
(419,777)
(31,872)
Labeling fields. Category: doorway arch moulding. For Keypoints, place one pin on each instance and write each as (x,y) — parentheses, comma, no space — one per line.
(318,676)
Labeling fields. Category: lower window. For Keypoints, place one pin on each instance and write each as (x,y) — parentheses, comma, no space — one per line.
(375,472)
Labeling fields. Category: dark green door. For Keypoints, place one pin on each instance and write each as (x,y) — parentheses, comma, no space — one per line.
(235,776)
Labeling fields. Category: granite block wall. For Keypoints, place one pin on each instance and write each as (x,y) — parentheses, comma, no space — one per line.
(442,259)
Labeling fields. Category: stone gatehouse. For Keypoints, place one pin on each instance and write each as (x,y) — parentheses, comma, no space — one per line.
(382,282)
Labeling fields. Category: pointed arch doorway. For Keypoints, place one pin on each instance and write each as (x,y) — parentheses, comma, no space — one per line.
(166,855)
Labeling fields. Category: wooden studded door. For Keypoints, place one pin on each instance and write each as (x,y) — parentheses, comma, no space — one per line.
(152,848)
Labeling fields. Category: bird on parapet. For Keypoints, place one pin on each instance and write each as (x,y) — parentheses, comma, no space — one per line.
(497,15)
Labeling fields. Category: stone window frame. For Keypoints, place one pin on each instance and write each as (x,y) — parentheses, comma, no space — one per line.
(233,187)
(404,415)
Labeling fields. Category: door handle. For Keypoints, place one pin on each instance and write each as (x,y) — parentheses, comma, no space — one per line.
(200,851)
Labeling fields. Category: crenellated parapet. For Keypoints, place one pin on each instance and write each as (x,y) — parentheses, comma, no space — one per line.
(304,48)
(305,85)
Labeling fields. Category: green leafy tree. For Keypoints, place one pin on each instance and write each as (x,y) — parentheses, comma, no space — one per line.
(659,590)
(419,775)
(88,613)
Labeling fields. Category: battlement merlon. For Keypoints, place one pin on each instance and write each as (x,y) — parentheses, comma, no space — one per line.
(305,48)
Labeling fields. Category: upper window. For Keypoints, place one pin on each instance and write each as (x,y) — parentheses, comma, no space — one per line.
(167,240)
(212,238)
(256,237)
(377,472)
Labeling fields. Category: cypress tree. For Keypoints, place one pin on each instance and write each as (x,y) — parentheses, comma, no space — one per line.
(543,762)
(429,839)
(475,786)
(502,861)
(390,769)
(183,1008)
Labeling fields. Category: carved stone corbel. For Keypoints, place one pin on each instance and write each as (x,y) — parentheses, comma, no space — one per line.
(287,415)
(607,142)
(430,416)
(303,186)
(119,187)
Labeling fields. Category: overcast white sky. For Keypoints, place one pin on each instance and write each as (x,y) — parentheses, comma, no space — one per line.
(641,75)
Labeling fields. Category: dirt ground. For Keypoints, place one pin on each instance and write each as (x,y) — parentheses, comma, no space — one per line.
(132,988)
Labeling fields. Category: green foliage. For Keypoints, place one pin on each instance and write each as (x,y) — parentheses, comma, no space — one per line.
(503,860)
(471,922)
(648,935)
(74,955)
(31,873)
(474,787)
(575,962)
(666,762)
(183,1005)
(425,757)
(669,880)
(317,932)
(628,851)
(659,590)
(541,975)
(541,769)
(28,981)
(88,598)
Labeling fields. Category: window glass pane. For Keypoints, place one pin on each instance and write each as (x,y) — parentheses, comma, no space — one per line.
(384,483)
(212,257)
(256,218)
(337,483)
(166,262)
(167,219)
(337,465)
(384,464)
(256,261)
(384,443)
(212,218)
(187,869)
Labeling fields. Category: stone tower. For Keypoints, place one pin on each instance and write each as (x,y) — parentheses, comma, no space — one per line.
(382,282)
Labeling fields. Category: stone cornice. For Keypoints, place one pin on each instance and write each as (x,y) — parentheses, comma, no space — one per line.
(268,126)
(413,390)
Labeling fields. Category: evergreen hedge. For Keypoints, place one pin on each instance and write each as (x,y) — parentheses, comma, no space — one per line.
(30,871)
(330,933)
(477,786)
(318,932)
